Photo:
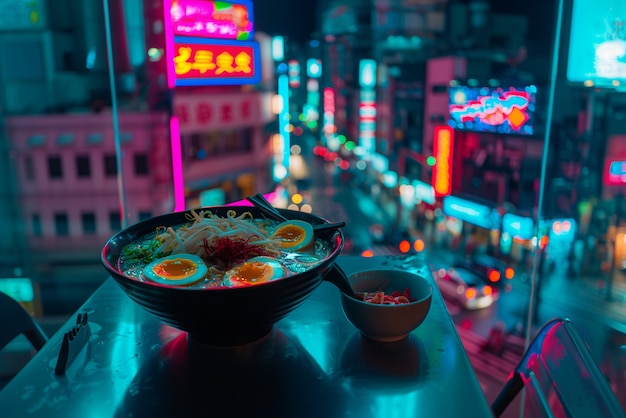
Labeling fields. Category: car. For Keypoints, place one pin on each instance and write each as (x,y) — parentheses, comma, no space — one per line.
(492,270)
(466,288)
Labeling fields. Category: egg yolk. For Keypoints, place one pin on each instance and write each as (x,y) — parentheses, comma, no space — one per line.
(175,269)
(253,272)
(292,235)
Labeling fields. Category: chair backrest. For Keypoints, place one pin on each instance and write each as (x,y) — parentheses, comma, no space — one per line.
(561,378)
(15,320)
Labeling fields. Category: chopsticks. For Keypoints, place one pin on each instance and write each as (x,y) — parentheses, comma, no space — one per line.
(259,201)
(328,226)
(266,207)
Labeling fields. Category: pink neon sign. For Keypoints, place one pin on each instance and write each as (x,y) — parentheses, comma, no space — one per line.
(177,165)
(492,109)
(212,19)
(615,173)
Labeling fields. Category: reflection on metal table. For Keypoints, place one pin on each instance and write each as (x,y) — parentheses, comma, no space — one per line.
(314,363)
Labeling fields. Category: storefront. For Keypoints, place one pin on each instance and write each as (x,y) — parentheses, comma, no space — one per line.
(516,239)
(222,144)
(472,225)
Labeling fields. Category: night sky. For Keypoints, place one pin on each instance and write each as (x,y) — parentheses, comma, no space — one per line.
(297,20)
(293,19)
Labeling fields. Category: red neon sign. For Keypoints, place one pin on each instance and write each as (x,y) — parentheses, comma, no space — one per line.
(329,100)
(442,148)
(225,62)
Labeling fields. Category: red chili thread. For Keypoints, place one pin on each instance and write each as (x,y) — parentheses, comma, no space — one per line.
(227,251)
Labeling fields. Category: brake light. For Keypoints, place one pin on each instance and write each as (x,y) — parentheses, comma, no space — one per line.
(509,273)
(494,276)
(367,253)
(470,293)
(487,290)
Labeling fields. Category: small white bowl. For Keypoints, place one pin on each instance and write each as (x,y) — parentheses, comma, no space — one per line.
(381,322)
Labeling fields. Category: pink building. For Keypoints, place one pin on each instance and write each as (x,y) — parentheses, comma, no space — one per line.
(68,183)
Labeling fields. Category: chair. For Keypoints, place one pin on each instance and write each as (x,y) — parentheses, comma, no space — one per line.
(15,320)
(560,376)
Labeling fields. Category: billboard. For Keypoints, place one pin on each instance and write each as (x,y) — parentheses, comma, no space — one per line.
(209,42)
(216,62)
(597,48)
(502,110)
(212,19)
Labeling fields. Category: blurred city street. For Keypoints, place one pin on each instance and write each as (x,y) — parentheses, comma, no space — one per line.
(601,321)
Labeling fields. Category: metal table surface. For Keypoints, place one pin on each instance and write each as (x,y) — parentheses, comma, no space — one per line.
(314,363)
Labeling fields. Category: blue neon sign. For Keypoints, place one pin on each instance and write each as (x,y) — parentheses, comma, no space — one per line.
(518,226)
(470,212)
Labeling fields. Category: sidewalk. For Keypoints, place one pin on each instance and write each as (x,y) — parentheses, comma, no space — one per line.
(587,294)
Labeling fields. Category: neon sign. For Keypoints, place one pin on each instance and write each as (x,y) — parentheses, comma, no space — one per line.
(367,105)
(486,109)
(442,147)
(616,173)
(473,213)
(212,19)
(294,73)
(329,111)
(216,62)
(518,226)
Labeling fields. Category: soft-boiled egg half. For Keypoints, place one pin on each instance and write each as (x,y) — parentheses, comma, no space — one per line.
(176,269)
(254,271)
(294,235)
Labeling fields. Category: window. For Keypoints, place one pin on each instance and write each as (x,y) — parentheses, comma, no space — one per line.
(95,138)
(141,164)
(36,140)
(89,223)
(61,224)
(36,219)
(114,221)
(110,165)
(29,168)
(83,166)
(126,137)
(55,168)
(65,139)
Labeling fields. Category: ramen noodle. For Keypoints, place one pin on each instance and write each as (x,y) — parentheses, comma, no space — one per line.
(231,251)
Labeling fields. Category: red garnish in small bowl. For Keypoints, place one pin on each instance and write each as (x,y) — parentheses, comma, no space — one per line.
(380,298)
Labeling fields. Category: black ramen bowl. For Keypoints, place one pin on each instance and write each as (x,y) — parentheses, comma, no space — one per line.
(222,316)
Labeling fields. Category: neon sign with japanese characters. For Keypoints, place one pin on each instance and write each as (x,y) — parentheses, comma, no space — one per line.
(216,63)
(210,42)
(493,109)
(212,19)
